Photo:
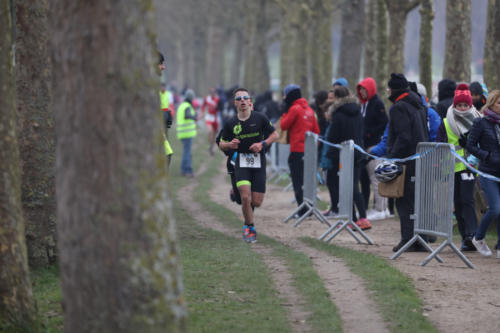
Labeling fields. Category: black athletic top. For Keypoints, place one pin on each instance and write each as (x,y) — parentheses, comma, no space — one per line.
(255,129)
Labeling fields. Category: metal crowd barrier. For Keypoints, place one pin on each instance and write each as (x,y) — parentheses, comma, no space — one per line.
(434,186)
(346,178)
(310,186)
(279,162)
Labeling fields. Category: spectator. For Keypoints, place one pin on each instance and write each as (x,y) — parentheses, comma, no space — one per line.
(374,122)
(186,131)
(407,127)
(484,143)
(479,93)
(340,82)
(454,127)
(446,92)
(297,119)
(347,124)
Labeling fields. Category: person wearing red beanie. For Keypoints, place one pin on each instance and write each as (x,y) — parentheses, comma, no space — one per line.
(454,130)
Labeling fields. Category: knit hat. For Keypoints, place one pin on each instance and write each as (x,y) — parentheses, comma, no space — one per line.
(397,82)
(462,95)
(477,88)
(289,88)
(341,81)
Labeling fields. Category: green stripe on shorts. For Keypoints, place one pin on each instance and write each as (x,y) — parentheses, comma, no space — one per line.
(243,182)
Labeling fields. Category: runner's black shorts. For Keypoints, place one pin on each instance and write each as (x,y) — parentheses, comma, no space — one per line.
(255,177)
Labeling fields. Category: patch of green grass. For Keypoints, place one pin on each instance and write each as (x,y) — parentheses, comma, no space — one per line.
(324,315)
(393,292)
(47,293)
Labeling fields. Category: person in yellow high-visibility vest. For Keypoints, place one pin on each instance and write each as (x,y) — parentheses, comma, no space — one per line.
(454,129)
(166,113)
(186,131)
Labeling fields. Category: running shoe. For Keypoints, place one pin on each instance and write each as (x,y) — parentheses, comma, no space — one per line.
(252,235)
(364,224)
(376,215)
(246,233)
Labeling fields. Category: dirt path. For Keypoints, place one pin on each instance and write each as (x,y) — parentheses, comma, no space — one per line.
(455,298)
(346,289)
(291,300)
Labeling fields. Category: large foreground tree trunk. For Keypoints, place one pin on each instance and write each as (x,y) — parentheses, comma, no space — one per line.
(351,44)
(118,249)
(36,130)
(492,46)
(398,11)
(458,53)
(17,310)
(425,52)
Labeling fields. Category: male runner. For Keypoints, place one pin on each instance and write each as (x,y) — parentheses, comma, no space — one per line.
(249,134)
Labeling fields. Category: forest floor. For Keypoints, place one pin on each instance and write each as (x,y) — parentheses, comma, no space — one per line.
(455,298)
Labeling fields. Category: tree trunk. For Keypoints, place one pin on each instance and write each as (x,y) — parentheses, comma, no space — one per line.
(300,31)
(398,11)
(492,47)
(425,52)
(321,46)
(118,248)
(458,53)
(17,309)
(236,61)
(286,57)
(369,58)
(351,43)
(381,72)
(36,130)
(213,66)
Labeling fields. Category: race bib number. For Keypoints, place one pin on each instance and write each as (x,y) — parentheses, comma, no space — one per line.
(249,160)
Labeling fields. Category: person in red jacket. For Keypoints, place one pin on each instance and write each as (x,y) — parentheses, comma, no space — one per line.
(297,119)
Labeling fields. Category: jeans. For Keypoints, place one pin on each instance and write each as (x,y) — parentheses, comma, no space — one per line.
(492,191)
(186,156)
(356,194)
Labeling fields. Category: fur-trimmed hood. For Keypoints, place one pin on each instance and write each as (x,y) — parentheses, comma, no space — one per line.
(339,102)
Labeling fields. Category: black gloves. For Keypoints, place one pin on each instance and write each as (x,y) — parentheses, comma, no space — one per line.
(462,141)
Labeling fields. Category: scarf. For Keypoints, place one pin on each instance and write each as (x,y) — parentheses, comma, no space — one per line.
(461,121)
(495,119)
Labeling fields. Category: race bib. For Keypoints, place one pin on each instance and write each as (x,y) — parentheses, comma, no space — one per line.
(250,160)
(209,117)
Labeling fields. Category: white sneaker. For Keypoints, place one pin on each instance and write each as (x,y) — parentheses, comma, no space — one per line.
(376,215)
(388,213)
(498,254)
(482,247)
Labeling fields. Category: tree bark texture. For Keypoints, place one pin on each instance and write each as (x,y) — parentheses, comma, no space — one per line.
(351,43)
(256,77)
(369,58)
(321,45)
(458,52)
(286,58)
(425,52)
(492,46)
(398,11)
(381,72)
(36,130)
(17,309)
(213,65)
(120,269)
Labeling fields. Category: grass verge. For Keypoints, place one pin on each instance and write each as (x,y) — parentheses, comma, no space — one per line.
(392,291)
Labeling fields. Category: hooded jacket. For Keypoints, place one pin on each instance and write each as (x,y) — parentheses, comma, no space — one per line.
(346,124)
(375,118)
(298,120)
(407,124)
(446,92)
(483,142)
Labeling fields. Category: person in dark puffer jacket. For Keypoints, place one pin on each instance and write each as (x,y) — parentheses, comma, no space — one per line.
(407,127)
(347,124)
(484,143)
(446,92)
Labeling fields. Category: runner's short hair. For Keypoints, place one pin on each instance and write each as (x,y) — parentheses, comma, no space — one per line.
(240,89)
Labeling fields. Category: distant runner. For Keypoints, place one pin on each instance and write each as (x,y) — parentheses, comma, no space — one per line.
(249,134)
